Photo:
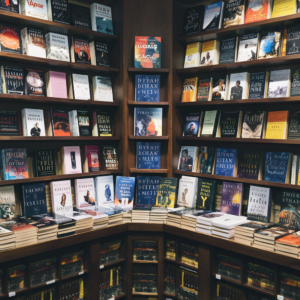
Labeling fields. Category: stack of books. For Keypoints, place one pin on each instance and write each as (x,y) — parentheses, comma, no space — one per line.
(7,239)
(84,221)
(100,218)
(174,218)
(203,223)
(189,218)
(289,245)
(66,225)
(218,196)
(127,217)
(158,215)
(47,228)
(115,216)
(141,213)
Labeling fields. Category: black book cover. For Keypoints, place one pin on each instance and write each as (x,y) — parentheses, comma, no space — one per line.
(104,123)
(35,82)
(219,88)
(227,51)
(249,164)
(257,85)
(10,39)
(293,40)
(294,125)
(44,163)
(229,122)
(60,11)
(206,194)
(253,124)
(80,16)
(10,5)
(81,50)
(60,122)
(34,199)
(102,54)
(295,84)
(9,123)
(14,80)
(193,20)
(84,123)
(233,12)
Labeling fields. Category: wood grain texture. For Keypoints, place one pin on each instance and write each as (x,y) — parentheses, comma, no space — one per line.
(148,171)
(141,103)
(147,70)
(58,138)
(150,138)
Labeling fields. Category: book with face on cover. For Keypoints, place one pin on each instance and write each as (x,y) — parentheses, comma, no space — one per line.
(188,158)
(61,197)
(220,87)
(71,160)
(110,157)
(192,55)
(148,121)
(33,42)
(10,39)
(33,122)
(238,86)
(210,53)
(85,192)
(192,124)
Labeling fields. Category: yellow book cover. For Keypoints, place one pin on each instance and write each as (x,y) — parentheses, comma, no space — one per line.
(166,192)
(283,52)
(192,55)
(283,8)
(189,92)
(208,46)
(277,124)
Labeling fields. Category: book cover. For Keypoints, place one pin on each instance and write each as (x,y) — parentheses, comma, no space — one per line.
(276,166)
(85,192)
(219,88)
(250,163)
(228,50)
(8,207)
(283,8)
(210,123)
(258,85)
(148,155)
(166,194)
(187,191)
(213,16)
(56,84)
(277,124)
(91,156)
(259,204)
(203,92)
(13,80)
(269,44)
(295,84)
(147,88)
(80,51)
(58,11)
(99,54)
(229,123)
(84,123)
(102,123)
(74,126)
(71,160)
(232,198)
(44,162)
(293,40)
(33,122)
(206,160)
(9,123)
(34,82)
(14,163)
(10,39)
(110,157)
(193,20)
(57,46)
(61,197)
(81,87)
(238,86)
(192,55)
(291,240)
(294,125)
(226,160)
(34,199)
(33,42)
(233,13)
(273,233)
(80,15)
(60,122)
(210,53)
(124,194)
(101,18)
(206,194)
(192,124)
(35,8)
(11,6)
(258,10)
(102,89)
(253,124)
(147,52)
(188,158)
(279,84)
(189,91)
(148,121)
(104,187)
(248,47)
(146,189)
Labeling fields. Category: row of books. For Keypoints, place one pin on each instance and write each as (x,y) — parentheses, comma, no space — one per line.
(144,278)
(35,82)
(111,283)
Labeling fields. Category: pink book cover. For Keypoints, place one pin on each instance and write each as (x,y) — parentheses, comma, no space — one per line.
(91,153)
(72,160)
(61,197)
(58,84)
(85,192)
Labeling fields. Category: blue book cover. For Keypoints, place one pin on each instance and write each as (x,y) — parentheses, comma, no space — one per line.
(148,155)
(226,161)
(191,125)
(212,16)
(147,88)
(276,166)
(124,194)
(34,199)
(146,189)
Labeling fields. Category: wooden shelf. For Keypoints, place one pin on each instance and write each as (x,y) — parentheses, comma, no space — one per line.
(144,294)
(223,278)
(58,177)
(43,284)
(144,262)
(74,275)
(169,295)
(58,138)
(141,103)
(148,70)
(44,62)
(148,171)
(120,296)
(144,138)
(49,26)
(170,260)
(187,266)
(259,290)
(119,261)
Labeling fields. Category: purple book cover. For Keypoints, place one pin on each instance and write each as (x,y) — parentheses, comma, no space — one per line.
(232,197)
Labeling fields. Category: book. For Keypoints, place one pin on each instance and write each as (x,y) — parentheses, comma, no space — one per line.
(10,123)
(206,194)
(254,124)
(146,189)
(60,123)
(11,6)
(33,42)
(258,10)
(250,165)
(99,54)
(110,157)
(210,123)
(238,86)
(204,89)
(166,194)
(210,53)
(84,123)
(292,40)
(228,50)
(213,15)
(91,159)
(34,82)
(233,13)
(283,8)
(259,204)
(219,87)
(148,121)
(230,124)
(189,92)
(71,160)
(102,123)
(79,87)
(13,164)
(44,162)
(80,14)
(206,160)
(104,188)
(258,85)
(36,9)
(294,125)
(188,158)
(289,241)
(147,88)
(10,39)
(57,46)
(61,197)
(232,198)
(273,233)
(102,89)
(187,191)
(226,162)
(148,155)
(279,84)
(80,51)
(147,52)
(193,20)
(249,43)
(101,18)
(192,55)
(269,44)
(85,192)
(33,122)
(73,121)
(56,84)
(192,124)
(34,199)
(295,83)
(8,205)
(277,167)
(13,80)
(59,11)
(277,125)
(124,194)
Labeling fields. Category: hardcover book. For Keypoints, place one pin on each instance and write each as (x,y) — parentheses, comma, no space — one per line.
(110,157)
(91,159)
(279,84)
(13,80)
(248,47)
(148,155)
(230,124)
(147,88)
(250,164)
(193,20)
(148,121)
(277,125)
(99,54)
(34,83)
(295,84)
(44,163)
(56,84)
(8,207)
(210,53)
(74,126)
(147,52)
(10,39)
(104,187)
(189,91)
(192,124)
(36,9)
(238,86)
(124,194)
(206,160)
(188,158)
(187,191)
(58,11)
(206,194)
(258,10)
(226,162)
(61,197)
(283,8)
(273,233)
(228,50)
(213,16)
(166,194)
(258,86)
(192,55)
(34,199)
(254,124)
(84,123)
(101,18)
(102,89)
(33,42)
(60,122)
(71,160)
(219,88)
(277,166)
(11,6)
(269,44)
(85,192)
(80,51)
(293,40)
(204,89)
(80,14)
(57,46)
(233,13)
(232,198)
(259,204)
(10,123)
(294,125)
(102,124)
(33,122)
(210,123)
(146,189)
(80,87)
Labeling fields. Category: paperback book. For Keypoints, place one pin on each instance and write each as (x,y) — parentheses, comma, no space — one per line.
(146,189)
(277,125)
(206,194)
(36,9)
(125,187)
(166,194)
(102,89)
(192,55)
(13,80)
(188,158)
(206,160)
(230,124)
(148,155)
(239,86)
(213,16)
(57,46)
(295,84)
(56,84)
(85,192)
(250,164)
(210,123)
(10,39)
(148,121)
(293,40)
(84,123)
(34,82)
(79,87)
(232,198)
(294,125)
(44,163)
(226,162)
(204,89)
(254,124)
(147,88)
(192,124)
(60,123)
(71,160)
(99,54)
(80,14)
(80,51)
(248,47)
(10,123)
(187,191)
(61,197)
(258,86)
(279,83)
(258,10)
(91,159)
(104,188)
(233,13)
(110,157)
(193,20)
(33,122)
(8,206)
(59,11)
(33,42)
(228,50)
(11,6)
(101,18)
(102,123)
(219,88)
(210,53)
(269,44)
(189,91)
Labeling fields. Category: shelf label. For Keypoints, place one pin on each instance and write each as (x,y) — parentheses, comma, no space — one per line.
(101,266)
(280,297)
(218,276)
(80,273)
(11,294)
(50,282)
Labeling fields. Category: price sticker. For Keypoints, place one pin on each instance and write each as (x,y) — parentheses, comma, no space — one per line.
(11,294)
(280,297)
(50,282)
(218,276)
(80,273)
(101,266)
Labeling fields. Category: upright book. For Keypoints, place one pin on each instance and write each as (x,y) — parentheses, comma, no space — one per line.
(294,126)
(280,83)
(80,51)
(192,124)
(206,194)
(71,160)
(44,162)
(206,160)
(213,16)
(124,194)
(295,84)
(192,55)
(193,20)
(85,192)
(99,54)
(102,89)
(166,194)
(79,87)
(189,91)
(238,86)
(59,11)
(188,158)
(292,40)
(226,162)
(91,159)
(230,124)
(8,205)
(232,198)
(104,188)
(258,86)
(56,84)
(258,10)
(210,53)
(11,6)
(147,88)
(13,80)
(110,157)
(249,43)
(204,89)
(277,125)
(284,8)
(80,14)
(228,50)
(33,122)
(101,18)
(33,42)
(61,197)
(148,121)
(60,123)
(269,44)
(146,189)
(187,191)
(254,124)
(102,125)
(10,39)
(57,46)
(84,123)
(34,82)
(233,13)
(210,123)
(36,9)
(10,123)
(250,165)
(148,155)
(219,87)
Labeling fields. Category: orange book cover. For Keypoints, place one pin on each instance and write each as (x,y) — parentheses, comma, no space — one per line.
(257,11)
(283,52)
(82,51)
(291,239)
(189,90)
(278,116)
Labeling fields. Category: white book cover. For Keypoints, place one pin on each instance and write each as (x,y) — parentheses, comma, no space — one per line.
(57,46)
(99,11)
(71,160)
(85,192)
(8,209)
(238,86)
(61,197)
(35,8)
(187,192)
(229,221)
(104,186)
(223,234)
(33,42)
(33,122)
(248,47)
(209,122)
(81,87)
(294,169)
(73,119)
(279,83)
(102,89)
(207,219)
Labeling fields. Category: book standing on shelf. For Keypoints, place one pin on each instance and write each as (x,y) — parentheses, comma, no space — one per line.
(189,92)
(230,124)
(91,159)
(61,197)
(147,88)
(295,84)
(79,87)
(34,82)
(226,162)
(80,51)
(33,42)
(57,46)
(284,8)
(10,39)
(206,160)
(293,40)
(148,155)
(84,123)
(10,123)
(34,199)
(277,125)
(80,14)
(258,86)
(166,194)
(60,123)
(38,9)
(232,197)
(210,53)
(279,83)
(250,165)
(219,87)
(192,124)
(85,192)
(193,20)
(192,55)
(254,124)
(258,11)
(8,207)
(148,121)
(213,16)
(187,191)
(124,194)
(71,160)
(56,84)
(13,80)
(238,86)
(210,123)
(188,158)
(11,6)
(33,122)
(294,125)
(58,11)
(233,13)
(206,194)
(102,89)
(249,43)
(204,89)
(101,18)
(269,44)
(104,188)
(110,157)
(146,189)
(102,124)
(99,54)
(228,50)
(44,163)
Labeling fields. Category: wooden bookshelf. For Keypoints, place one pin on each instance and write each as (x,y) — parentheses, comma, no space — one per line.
(58,138)
(145,138)
(151,71)
(148,171)
(141,103)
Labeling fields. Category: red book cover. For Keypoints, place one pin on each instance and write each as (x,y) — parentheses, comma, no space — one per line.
(291,239)
(257,11)
(92,155)
(60,123)
(82,51)
(10,39)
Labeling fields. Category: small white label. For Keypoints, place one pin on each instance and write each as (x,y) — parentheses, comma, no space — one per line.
(113,298)
(280,297)
(218,276)
(101,266)
(11,294)
(80,273)
(50,282)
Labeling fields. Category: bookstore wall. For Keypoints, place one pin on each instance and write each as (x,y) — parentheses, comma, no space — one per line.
(150,149)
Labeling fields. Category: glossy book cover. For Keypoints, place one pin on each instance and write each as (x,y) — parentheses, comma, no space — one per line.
(249,164)
(110,157)
(206,160)
(85,192)
(104,187)
(148,155)
(225,161)
(232,197)
(9,123)
(91,153)
(61,196)
(14,80)
(81,50)
(44,162)
(71,160)
(8,208)
(147,88)
(206,194)
(166,194)
(10,39)
(191,125)
(148,121)
(60,122)
(146,189)
(124,194)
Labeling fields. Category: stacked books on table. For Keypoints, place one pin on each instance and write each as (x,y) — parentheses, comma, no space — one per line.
(115,216)
(203,223)
(7,239)
(127,217)
(47,228)
(141,213)
(289,245)
(100,218)
(84,221)
(189,218)
(158,214)
(66,225)
(174,218)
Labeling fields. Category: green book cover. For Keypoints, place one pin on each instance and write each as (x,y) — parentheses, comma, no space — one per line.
(166,194)
(206,194)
